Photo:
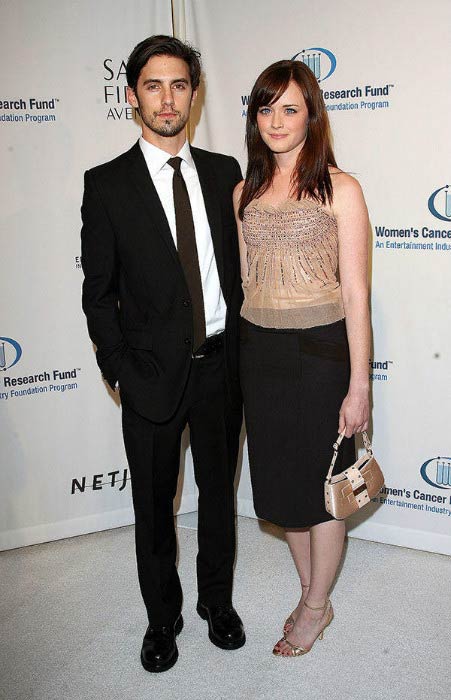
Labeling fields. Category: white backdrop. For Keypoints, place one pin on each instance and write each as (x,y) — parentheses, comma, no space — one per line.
(385,74)
(384,70)
(63,110)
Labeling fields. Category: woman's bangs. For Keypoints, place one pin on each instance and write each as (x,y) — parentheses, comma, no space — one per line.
(272,89)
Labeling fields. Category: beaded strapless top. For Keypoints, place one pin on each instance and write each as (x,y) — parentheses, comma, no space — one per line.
(292,255)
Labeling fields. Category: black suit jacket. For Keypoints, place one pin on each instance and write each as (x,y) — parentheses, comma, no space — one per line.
(135,296)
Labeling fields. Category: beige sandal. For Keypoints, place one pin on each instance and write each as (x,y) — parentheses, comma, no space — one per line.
(290,621)
(296,650)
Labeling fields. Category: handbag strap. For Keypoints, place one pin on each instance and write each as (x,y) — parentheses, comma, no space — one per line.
(337,443)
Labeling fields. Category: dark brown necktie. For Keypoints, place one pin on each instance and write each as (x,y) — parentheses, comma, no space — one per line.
(187,250)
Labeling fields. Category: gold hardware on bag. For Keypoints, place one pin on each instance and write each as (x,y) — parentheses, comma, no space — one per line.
(347,492)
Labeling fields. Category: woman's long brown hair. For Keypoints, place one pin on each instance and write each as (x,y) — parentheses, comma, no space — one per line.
(311,176)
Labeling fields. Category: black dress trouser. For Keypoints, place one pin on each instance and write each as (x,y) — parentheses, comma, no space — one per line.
(153,453)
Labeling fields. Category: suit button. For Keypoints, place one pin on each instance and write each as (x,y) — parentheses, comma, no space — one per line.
(187,341)
(186,302)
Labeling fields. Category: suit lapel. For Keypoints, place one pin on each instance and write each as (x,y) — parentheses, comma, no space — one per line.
(208,184)
(151,201)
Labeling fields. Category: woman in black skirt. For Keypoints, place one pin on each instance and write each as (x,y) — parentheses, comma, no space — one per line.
(303,228)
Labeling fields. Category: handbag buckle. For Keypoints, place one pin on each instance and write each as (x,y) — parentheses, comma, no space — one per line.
(355,477)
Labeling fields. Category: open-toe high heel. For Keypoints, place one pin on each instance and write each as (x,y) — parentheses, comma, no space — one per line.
(289,622)
(296,650)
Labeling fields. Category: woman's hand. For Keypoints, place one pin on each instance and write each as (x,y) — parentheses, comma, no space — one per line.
(354,413)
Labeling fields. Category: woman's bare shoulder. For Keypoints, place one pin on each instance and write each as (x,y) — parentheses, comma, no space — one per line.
(346,188)
(344,182)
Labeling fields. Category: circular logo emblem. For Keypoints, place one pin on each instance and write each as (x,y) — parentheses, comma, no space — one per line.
(437,472)
(10,353)
(321,62)
(439,203)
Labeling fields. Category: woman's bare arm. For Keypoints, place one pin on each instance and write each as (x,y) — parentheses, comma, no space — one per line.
(353,232)
(242,245)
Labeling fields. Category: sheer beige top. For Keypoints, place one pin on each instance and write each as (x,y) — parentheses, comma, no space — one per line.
(292,256)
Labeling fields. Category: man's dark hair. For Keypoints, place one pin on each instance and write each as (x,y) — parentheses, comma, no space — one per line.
(162,45)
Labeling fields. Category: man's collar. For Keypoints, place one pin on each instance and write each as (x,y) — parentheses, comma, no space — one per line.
(185,154)
(156,158)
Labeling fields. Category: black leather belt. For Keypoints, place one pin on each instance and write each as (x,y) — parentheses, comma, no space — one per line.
(213,344)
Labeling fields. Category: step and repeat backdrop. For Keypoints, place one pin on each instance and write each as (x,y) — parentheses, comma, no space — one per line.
(62,109)
(384,69)
(384,72)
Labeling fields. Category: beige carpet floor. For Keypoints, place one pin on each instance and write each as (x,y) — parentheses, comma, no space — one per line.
(72,622)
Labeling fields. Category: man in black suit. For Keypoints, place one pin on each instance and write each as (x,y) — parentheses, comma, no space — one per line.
(162,296)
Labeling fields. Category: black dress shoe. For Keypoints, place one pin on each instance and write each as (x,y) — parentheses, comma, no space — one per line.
(159,651)
(225,628)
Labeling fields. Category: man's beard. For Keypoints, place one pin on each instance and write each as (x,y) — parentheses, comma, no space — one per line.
(165,128)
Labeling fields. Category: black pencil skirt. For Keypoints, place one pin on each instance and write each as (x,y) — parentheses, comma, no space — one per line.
(293,382)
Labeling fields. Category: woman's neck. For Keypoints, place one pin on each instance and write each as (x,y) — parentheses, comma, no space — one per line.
(286,162)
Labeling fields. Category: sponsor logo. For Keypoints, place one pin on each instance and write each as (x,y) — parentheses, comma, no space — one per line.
(114,91)
(115,479)
(77,261)
(408,499)
(420,237)
(439,203)
(321,62)
(437,472)
(30,110)
(10,353)
(380,370)
(42,382)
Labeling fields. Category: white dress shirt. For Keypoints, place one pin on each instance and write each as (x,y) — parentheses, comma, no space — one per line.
(162,175)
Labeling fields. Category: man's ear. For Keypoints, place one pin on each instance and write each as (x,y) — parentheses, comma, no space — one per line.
(131,98)
(193,97)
